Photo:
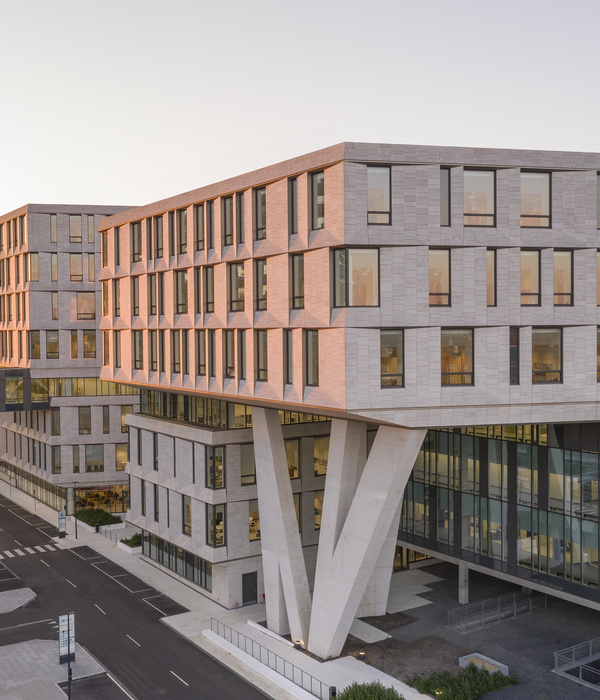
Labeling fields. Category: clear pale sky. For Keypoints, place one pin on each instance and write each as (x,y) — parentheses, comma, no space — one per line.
(130,101)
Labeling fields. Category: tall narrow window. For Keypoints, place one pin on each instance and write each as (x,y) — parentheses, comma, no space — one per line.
(241,353)
(356,277)
(136,241)
(75,229)
(292,206)
(117,297)
(236,286)
(74,345)
(215,467)
(457,356)
(546,355)
(153,350)
(260,213)
(215,525)
(491,277)
(175,352)
(103,248)
(89,345)
(209,289)
(186,514)
(91,228)
(135,296)
(229,351)
(317,200)
(240,218)
(185,351)
(34,345)
(514,355)
(54,301)
(171,233)
(105,349)
(201,352)
(261,284)
(261,355)
(105,420)
(199,227)
(479,198)
(530,278)
(117,245)
(181,292)
(598,200)
(392,358)
(116,349)
(160,292)
(598,354)
(288,356)
(379,195)
(563,278)
(212,353)
(158,236)
(161,351)
(210,224)
(197,290)
(298,281)
(598,278)
(227,220)
(91,267)
(85,420)
(53,269)
(181,231)
(439,277)
(156,500)
(444,196)
(311,357)
(53,230)
(253,520)
(149,246)
(138,350)
(535,199)
(151,295)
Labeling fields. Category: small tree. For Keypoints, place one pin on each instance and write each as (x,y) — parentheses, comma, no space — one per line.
(369,691)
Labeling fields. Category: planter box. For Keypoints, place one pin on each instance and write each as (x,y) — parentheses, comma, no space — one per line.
(128,549)
(103,528)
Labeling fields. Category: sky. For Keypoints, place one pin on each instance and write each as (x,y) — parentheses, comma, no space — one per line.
(130,101)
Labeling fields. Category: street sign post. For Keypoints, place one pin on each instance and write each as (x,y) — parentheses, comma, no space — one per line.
(62,523)
(66,644)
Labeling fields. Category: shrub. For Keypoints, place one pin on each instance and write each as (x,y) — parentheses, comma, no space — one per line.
(369,691)
(97,516)
(471,683)
(133,541)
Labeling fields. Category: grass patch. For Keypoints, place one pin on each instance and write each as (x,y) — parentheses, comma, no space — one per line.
(97,516)
(369,691)
(471,683)
(133,541)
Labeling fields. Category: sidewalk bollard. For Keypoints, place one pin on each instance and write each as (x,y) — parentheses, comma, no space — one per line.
(332,692)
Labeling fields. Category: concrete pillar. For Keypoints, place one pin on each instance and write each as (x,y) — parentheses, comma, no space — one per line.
(287,595)
(463,584)
(354,536)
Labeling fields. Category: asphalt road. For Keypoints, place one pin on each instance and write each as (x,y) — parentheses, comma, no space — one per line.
(116,615)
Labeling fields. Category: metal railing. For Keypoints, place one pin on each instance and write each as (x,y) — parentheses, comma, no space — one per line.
(488,612)
(269,658)
(567,662)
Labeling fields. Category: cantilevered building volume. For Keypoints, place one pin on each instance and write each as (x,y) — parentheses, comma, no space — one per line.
(62,429)
(362,351)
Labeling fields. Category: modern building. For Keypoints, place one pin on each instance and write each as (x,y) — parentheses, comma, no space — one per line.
(361,351)
(62,428)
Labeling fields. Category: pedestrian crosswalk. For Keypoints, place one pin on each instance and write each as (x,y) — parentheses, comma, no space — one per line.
(36,549)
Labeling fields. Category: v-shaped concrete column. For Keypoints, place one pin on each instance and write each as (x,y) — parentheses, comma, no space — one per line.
(350,546)
(287,594)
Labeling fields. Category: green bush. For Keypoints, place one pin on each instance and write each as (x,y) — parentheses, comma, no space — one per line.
(471,683)
(133,541)
(369,691)
(97,516)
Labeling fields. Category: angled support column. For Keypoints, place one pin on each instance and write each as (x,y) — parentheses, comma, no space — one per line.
(287,595)
(350,546)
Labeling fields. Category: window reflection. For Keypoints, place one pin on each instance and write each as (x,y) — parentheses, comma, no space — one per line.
(546,355)
(535,199)
(530,277)
(439,278)
(457,356)
(563,277)
(479,198)
(392,358)
(378,195)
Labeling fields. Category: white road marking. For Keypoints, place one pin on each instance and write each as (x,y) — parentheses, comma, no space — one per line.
(20,553)
(71,582)
(49,547)
(40,549)
(25,624)
(99,608)
(18,543)
(133,640)
(10,555)
(31,551)
(180,679)
(43,562)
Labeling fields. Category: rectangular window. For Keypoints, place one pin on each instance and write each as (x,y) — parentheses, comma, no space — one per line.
(74,348)
(154,451)
(53,233)
(288,356)
(138,349)
(227,220)
(117,246)
(392,358)
(156,501)
(116,284)
(161,351)
(126,411)
(181,231)
(260,213)
(597,201)
(186,514)
(104,248)
(175,352)
(320,455)
(253,520)
(171,233)
(153,350)
(535,200)
(444,196)
(149,247)
(34,345)
(311,357)
(210,224)
(298,281)
(85,420)
(479,198)
(105,349)
(75,459)
(236,286)
(75,229)
(91,267)
(215,467)
(120,456)
(240,218)
(135,296)
(457,356)
(105,420)
(136,241)
(261,355)
(55,421)
(563,278)
(215,525)
(200,352)
(89,345)
(598,278)
(247,465)
(53,269)
(34,267)
(197,290)
(491,277)
(160,292)
(91,228)
(317,181)
(292,454)
(546,355)
(514,356)
(319,495)
(229,352)
(116,349)
(292,206)
(241,353)
(56,459)
(439,277)
(22,230)
(598,354)
(199,227)
(212,353)
(181,292)
(356,277)
(378,195)
(158,236)
(185,351)
(530,278)
(261,284)
(51,345)
(54,301)
(152,295)
(209,289)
